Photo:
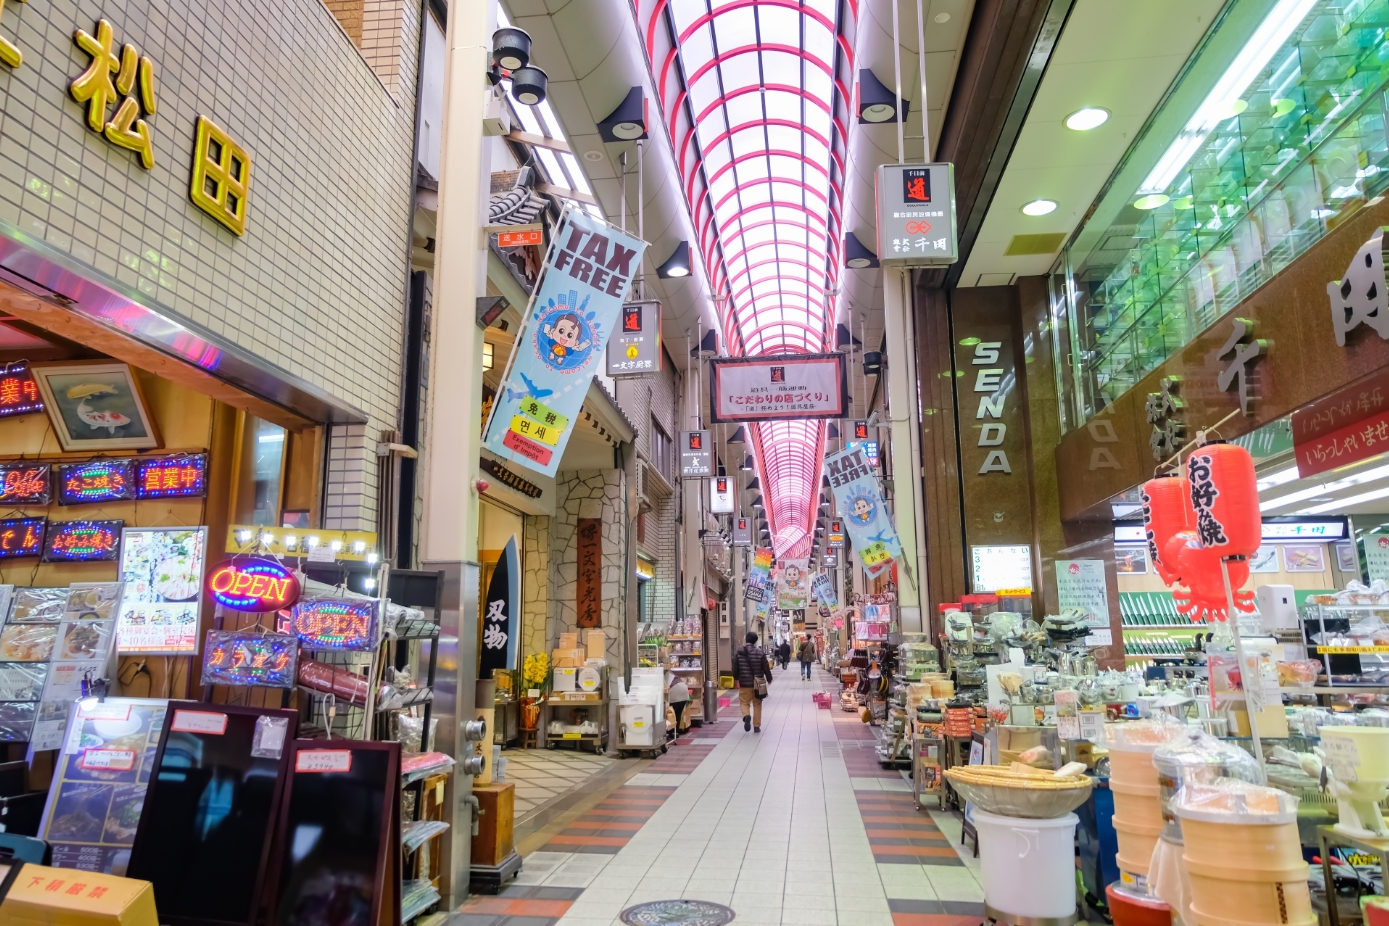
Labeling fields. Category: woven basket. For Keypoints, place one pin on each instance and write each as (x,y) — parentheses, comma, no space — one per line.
(1011,793)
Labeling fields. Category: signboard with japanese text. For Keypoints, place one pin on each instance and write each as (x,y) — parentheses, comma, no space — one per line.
(916,215)
(742,532)
(1377,556)
(835,537)
(162,569)
(721,495)
(758,577)
(499,620)
(560,348)
(25,484)
(22,537)
(1348,444)
(696,453)
(859,500)
(1080,583)
(172,477)
(82,541)
(635,348)
(19,392)
(823,590)
(999,567)
(588,587)
(778,388)
(262,660)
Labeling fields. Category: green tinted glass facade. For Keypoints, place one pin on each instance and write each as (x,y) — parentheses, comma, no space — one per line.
(1229,191)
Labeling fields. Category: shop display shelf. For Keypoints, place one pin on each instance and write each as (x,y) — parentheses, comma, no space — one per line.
(684,636)
(417,630)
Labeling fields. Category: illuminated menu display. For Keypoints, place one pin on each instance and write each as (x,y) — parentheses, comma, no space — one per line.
(25,483)
(21,537)
(95,482)
(82,541)
(19,393)
(172,477)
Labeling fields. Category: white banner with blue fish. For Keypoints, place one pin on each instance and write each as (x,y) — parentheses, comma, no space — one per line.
(571,316)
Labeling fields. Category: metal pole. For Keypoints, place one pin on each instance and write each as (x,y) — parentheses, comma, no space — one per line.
(622,162)
(921,61)
(641,214)
(897,73)
(1249,685)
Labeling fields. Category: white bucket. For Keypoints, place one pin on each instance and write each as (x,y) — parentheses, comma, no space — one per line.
(1028,866)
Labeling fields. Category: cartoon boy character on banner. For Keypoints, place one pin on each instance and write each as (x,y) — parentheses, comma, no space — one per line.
(858,497)
(564,335)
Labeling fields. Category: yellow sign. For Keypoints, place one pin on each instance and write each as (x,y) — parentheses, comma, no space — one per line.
(9,52)
(346,546)
(221,176)
(96,88)
(527,428)
(874,553)
(543,414)
(1351,650)
(69,897)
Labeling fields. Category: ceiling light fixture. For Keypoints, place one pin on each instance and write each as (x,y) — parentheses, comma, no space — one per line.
(1083,120)
(876,103)
(942,18)
(1039,207)
(678,264)
(627,122)
(856,253)
(1151,201)
(593,155)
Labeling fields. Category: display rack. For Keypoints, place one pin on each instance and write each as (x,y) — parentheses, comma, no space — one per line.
(689,661)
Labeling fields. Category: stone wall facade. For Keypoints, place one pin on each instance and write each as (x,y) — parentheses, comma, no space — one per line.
(589,493)
(535,585)
(646,400)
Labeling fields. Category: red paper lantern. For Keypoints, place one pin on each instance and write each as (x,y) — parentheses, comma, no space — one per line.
(1166,510)
(1225,499)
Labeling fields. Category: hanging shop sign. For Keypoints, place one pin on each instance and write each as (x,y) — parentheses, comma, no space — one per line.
(574,311)
(324,546)
(96,482)
(869,448)
(162,569)
(758,576)
(916,215)
(508,478)
(21,537)
(263,660)
(25,484)
(19,392)
(635,348)
(588,587)
(858,430)
(82,541)
(742,532)
(172,477)
(521,238)
(778,388)
(793,584)
(836,534)
(499,620)
(823,590)
(721,495)
(256,585)
(831,561)
(338,624)
(859,500)
(696,453)
(1000,567)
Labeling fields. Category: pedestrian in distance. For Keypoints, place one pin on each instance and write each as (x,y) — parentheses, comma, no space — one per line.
(783,653)
(806,655)
(753,674)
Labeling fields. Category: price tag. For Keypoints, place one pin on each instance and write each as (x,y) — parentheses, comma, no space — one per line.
(573,736)
(323,760)
(105,712)
(323,553)
(199,722)
(1343,757)
(107,760)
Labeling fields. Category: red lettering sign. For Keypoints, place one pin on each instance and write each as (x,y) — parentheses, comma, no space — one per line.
(589,584)
(527,448)
(253,585)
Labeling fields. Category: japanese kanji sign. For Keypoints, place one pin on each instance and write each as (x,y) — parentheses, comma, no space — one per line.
(696,453)
(1358,441)
(1164,409)
(571,316)
(110,80)
(635,348)
(778,388)
(499,620)
(758,575)
(588,587)
(916,215)
(1359,298)
(859,500)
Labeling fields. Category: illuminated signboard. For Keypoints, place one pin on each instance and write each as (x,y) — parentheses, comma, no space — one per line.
(253,585)
(338,623)
(95,482)
(265,660)
(82,541)
(19,393)
(860,430)
(25,484)
(172,477)
(21,537)
(836,535)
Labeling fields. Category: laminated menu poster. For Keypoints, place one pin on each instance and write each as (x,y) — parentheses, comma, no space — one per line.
(98,788)
(162,569)
(81,649)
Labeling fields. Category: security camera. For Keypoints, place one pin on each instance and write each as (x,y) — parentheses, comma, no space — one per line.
(511,49)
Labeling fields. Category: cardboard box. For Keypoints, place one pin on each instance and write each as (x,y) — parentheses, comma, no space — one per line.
(564,679)
(568,641)
(42,896)
(595,643)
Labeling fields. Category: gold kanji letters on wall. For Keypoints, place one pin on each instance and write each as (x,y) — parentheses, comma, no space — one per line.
(221,176)
(96,88)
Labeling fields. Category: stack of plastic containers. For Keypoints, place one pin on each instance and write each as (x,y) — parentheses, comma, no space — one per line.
(1134,780)
(1243,854)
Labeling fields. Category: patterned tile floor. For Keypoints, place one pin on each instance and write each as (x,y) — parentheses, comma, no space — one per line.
(542,776)
(785,826)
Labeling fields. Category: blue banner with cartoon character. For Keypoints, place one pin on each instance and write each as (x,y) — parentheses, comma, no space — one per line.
(563,343)
(859,500)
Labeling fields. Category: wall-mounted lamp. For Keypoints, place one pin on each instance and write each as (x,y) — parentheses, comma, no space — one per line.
(876,103)
(628,121)
(856,254)
(677,265)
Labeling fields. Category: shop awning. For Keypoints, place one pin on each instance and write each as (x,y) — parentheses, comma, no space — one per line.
(51,290)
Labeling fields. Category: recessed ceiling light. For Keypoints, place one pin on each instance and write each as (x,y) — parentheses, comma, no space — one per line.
(629,130)
(1151,201)
(942,18)
(593,155)
(878,112)
(858,263)
(1083,120)
(1039,207)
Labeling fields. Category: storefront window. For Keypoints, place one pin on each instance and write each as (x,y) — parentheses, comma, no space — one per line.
(1274,135)
(260,477)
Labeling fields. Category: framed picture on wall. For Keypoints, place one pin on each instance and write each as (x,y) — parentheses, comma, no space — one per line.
(96,406)
(1131,559)
(1265,560)
(1346,558)
(1309,557)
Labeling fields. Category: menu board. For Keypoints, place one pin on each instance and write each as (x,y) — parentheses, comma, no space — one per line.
(162,569)
(98,788)
(81,649)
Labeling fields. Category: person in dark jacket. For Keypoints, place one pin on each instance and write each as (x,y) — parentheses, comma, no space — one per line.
(806,655)
(750,664)
(783,653)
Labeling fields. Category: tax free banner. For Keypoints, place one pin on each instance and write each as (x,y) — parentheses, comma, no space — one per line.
(858,498)
(572,315)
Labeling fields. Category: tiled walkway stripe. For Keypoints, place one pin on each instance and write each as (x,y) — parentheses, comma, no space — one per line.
(898,833)
(610,824)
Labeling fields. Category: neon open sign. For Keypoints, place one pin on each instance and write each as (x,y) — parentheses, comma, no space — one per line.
(338,623)
(253,585)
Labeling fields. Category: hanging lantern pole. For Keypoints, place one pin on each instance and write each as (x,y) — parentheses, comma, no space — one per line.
(1232,618)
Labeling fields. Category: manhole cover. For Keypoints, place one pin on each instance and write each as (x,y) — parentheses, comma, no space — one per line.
(677,913)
